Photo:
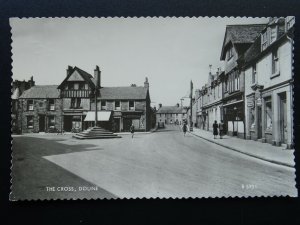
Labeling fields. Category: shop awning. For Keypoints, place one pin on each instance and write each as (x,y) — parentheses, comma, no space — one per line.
(232,103)
(102,116)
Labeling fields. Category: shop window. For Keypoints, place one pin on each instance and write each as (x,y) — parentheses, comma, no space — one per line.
(117,105)
(275,62)
(51,105)
(30,105)
(268,114)
(29,121)
(252,117)
(51,121)
(131,105)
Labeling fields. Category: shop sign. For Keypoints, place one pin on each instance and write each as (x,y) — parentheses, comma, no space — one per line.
(258,102)
(250,104)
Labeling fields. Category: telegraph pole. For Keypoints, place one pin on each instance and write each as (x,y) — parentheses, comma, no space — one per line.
(191,106)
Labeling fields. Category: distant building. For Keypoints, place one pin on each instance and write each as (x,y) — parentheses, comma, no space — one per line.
(210,102)
(171,114)
(70,106)
(267,65)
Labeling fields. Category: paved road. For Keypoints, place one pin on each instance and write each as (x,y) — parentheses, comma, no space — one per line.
(160,164)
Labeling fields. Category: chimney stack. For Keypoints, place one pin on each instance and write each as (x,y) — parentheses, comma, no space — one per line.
(31,82)
(160,105)
(146,83)
(69,70)
(177,105)
(97,76)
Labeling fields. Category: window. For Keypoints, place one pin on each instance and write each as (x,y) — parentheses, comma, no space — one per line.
(76,86)
(131,105)
(30,105)
(229,53)
(51,105)
(81,86)
(159,115)
(29,121)
(273,34)
(264,41)
(268,113)
(237,81)
(75,103)
(275,62)
(117,105)
(70,86)
(254,74)
(51,121)
(86,86)
(103,105)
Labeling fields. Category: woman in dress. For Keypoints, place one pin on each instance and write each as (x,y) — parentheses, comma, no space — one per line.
(215,129)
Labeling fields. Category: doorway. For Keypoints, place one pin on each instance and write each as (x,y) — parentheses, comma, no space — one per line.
(259,123)
(41,123)
(283,117)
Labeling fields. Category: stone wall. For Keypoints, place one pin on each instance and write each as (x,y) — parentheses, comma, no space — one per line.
(40,108)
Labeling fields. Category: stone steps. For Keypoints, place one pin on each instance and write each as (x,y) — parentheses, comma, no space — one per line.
(95,133)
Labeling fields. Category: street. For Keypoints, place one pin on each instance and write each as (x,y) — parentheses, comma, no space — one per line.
(160,164)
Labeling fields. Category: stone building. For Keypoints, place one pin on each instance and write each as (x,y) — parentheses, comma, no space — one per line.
(267,65)
(40,109)
(237,39)
(71,105)
(171,114)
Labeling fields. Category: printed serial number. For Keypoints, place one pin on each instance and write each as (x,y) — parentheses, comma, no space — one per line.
(249,186)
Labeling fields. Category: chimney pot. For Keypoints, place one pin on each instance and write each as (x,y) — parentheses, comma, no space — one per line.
(97,76)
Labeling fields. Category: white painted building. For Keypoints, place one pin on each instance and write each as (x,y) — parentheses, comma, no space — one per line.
(267,66)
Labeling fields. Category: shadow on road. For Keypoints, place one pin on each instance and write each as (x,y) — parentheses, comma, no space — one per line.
(31,173)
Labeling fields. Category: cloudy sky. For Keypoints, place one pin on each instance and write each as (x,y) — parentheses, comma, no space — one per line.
(169,51)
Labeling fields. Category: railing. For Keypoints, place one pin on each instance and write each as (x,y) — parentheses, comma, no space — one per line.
(76,93)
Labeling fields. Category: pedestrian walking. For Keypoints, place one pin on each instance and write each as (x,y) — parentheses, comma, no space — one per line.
(221,129)
(184,128)
(132,130)
(215,129)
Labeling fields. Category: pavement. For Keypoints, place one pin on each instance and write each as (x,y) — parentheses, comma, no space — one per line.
(162,164)
(263,151)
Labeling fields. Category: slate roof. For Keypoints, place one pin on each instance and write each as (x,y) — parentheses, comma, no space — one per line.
(41,91)
(85,75)
(123,93)
(241,34)
(252,52)
(170,109)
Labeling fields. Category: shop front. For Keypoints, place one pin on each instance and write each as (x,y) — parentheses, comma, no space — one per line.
(233,112)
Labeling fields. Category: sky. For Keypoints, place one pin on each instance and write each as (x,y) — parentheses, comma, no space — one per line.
(169,51)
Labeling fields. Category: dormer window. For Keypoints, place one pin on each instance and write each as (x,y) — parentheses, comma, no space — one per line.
(273,34)
(254,74)
(76,86)
(264,41)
